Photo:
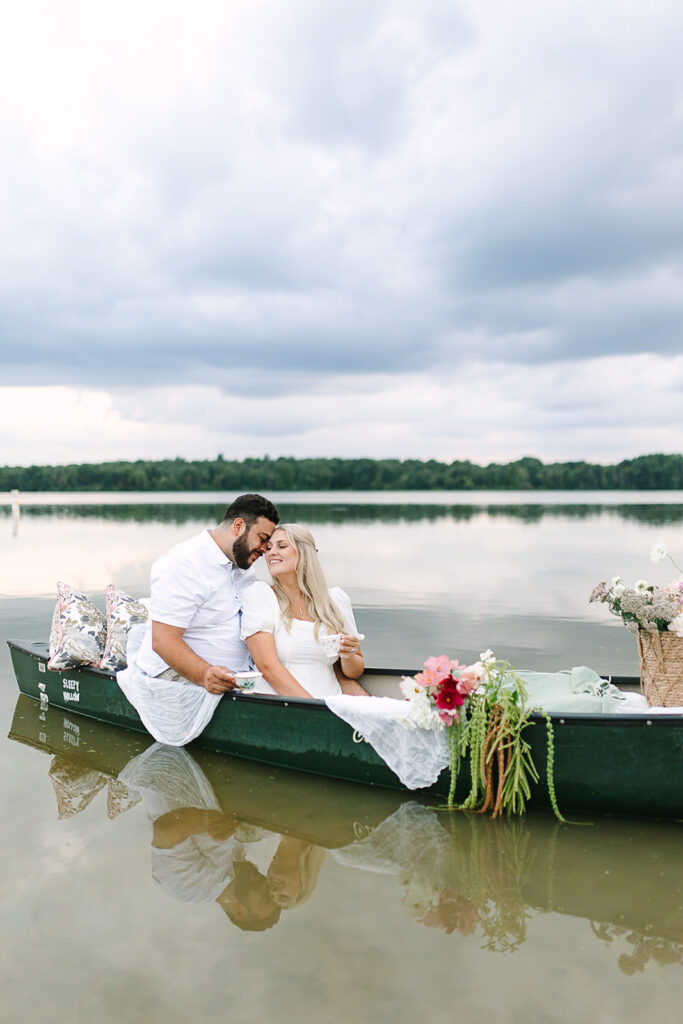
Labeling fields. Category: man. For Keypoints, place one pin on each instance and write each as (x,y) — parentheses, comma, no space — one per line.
(194,632)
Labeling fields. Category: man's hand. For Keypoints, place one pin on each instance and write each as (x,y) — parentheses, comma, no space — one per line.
(168,643)
(222,826)
(218,679)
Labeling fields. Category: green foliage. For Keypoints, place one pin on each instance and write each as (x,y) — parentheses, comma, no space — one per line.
(490,735)
(648,472)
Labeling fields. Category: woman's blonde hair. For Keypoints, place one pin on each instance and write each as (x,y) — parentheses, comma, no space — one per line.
(311,580)
(309,863)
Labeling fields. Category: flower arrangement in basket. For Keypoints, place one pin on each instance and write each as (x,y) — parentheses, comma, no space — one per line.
(484,708)
(655,616)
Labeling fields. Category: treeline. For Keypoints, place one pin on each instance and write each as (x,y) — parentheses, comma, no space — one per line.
(646,473)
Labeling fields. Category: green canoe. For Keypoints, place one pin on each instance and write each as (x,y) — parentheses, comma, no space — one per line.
(611,764)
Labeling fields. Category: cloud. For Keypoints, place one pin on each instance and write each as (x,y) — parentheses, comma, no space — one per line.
(307,197)
(602,410)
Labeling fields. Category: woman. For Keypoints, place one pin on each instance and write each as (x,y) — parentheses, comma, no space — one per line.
(301,635)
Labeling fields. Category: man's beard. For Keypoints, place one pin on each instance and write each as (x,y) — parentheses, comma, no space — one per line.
(241,552)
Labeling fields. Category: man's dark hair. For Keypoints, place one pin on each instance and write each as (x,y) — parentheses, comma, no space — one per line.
(251,507)
(251,907)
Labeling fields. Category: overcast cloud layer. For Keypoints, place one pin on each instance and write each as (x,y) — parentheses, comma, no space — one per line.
(386,229)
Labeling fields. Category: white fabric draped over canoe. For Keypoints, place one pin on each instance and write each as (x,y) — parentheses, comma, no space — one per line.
(174,713)
(416,755)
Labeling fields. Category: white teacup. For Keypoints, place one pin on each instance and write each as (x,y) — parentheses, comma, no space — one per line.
(331,642)
(247,680)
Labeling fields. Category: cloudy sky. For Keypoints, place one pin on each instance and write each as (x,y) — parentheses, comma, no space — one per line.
(436,230)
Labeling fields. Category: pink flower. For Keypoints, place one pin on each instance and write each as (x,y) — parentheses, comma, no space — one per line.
(436,669)
(467,682)
(441,664)
(448,717)
(471,677)
(424,679)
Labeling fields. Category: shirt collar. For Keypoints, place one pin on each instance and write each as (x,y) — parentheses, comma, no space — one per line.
(216,552)
(222,559)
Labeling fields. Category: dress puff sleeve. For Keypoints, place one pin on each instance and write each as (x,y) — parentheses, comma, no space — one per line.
(260,610)
(343,603)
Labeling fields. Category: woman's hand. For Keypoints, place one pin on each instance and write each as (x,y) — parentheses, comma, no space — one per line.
(350,655)
(349,646)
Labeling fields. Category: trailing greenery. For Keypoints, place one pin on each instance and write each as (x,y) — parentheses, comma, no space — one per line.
(485,709)
(647,472)
(501,766)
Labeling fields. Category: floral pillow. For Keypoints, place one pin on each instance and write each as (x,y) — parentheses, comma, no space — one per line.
(123,612)
(78,632)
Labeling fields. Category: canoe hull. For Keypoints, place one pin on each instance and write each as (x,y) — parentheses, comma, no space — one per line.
(613,764)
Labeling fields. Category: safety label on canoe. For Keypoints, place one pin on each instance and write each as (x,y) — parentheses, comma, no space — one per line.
(71,690)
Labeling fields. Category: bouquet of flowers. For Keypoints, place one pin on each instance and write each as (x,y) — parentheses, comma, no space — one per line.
(655,615)
(437,693)
(643,606)
(483,706)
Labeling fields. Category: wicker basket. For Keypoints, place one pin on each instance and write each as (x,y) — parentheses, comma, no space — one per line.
(661,668)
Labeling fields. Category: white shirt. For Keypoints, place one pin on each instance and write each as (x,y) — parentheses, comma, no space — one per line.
(197,588)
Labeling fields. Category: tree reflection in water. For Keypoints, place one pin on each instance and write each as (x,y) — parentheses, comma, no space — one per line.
(644,947)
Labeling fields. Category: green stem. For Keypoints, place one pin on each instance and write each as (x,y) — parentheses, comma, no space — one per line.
(550,768)
(676,566)
(453,740)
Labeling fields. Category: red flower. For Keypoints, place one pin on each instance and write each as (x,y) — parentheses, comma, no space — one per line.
(448,697)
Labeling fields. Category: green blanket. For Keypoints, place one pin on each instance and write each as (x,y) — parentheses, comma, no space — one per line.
(579,690)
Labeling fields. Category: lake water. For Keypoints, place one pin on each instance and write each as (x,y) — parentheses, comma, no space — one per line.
(157,885)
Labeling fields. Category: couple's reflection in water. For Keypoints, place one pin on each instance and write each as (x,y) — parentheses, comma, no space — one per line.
(255,840)
(201,853)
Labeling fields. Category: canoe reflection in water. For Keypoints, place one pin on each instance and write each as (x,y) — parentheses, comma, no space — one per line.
(254,839)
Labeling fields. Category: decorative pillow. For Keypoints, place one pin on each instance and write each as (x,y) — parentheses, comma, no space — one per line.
(78,631)
(75,785)
(120,798)
(123,612)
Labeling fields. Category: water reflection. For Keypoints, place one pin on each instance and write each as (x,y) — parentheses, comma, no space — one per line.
(204,854)
(341,512)
(256,842)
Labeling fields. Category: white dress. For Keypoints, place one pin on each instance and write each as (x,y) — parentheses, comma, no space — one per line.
(297,648)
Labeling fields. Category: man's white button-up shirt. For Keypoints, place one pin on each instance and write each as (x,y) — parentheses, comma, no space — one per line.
(196,587)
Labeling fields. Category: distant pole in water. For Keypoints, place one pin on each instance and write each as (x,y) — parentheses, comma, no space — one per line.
(16,512)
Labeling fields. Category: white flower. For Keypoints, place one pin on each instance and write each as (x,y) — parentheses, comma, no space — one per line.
(421,713)
(640,586)
(676,625)
(487,658)
(481,672)
(409,688)
(658,552)
(617,588)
